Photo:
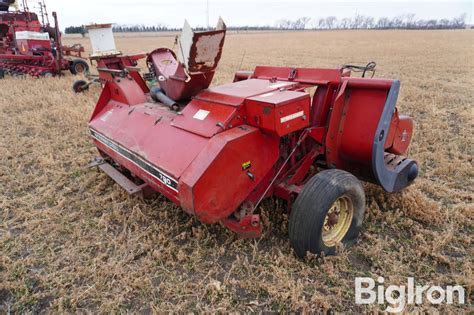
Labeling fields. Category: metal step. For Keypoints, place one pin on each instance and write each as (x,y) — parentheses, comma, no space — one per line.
(144,191)
(121,179)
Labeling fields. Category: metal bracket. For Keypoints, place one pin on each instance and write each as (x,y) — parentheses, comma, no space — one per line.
(248,227)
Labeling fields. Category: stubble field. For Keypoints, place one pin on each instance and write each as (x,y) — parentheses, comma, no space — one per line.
(72,240)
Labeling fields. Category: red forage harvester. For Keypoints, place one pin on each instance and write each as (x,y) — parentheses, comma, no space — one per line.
(305,135)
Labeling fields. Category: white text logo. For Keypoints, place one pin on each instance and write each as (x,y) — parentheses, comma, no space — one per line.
(398,296)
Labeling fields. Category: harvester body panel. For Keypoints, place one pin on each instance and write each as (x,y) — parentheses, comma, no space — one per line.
(239,157)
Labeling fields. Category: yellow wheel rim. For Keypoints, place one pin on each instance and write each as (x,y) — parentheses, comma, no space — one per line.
(338,221)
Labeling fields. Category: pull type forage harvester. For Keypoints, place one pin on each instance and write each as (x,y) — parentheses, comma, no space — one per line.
(305,135)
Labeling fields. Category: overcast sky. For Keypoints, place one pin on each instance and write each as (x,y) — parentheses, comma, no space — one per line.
(243,12)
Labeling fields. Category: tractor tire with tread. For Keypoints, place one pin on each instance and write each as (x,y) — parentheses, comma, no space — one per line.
(79,66)
(80,86)
(310,229)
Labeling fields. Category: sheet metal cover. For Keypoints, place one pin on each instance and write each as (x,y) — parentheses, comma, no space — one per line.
(166,147)
(235,93)
(201,51)
(279,97)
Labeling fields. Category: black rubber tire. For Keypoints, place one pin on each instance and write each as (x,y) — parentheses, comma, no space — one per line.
(80,86)
(79,66)
(312,205)
(2,73)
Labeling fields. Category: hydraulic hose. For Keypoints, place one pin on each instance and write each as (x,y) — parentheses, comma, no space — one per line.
(158,95)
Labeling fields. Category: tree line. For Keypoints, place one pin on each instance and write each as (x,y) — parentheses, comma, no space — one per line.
(406,21)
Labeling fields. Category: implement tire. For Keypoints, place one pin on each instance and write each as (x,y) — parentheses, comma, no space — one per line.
(80,86)
(79,66)
(328,211)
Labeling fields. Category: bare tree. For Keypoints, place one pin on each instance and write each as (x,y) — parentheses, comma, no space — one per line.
(322,23)
(302,22)
(397,22)
(331,22)
(431,24)
(460,22)
(410,20)
(283,24)
(345,23)
(444,23)
(383,23)
(368,22)
(357,21)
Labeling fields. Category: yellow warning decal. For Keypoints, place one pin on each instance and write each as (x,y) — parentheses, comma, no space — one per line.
(246,165)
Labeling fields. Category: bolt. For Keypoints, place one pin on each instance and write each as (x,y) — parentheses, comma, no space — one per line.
(382,134)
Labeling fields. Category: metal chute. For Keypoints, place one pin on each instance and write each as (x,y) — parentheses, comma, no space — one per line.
(201,51)
(183,74)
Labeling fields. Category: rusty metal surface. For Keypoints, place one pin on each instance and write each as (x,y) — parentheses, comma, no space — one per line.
(201,52)
(173,78)
(184,74)
(206,51)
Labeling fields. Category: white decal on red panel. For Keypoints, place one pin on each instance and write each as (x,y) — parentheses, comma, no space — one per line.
(291,117)
(201,114)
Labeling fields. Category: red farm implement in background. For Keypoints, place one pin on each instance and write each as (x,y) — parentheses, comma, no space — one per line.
(305,135)
(28,46)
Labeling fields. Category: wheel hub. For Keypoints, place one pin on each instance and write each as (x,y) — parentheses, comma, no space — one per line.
(80,68)
(333,218)
(337,221)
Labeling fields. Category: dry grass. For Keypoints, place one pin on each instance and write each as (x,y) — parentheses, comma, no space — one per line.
(71,240)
